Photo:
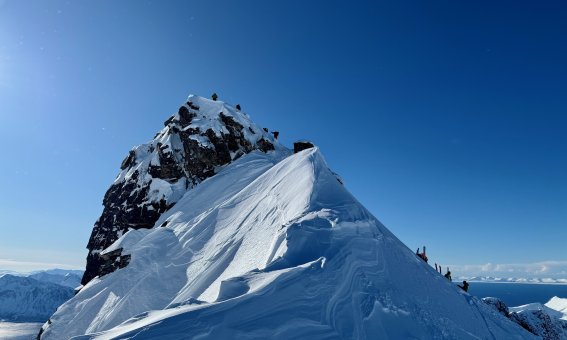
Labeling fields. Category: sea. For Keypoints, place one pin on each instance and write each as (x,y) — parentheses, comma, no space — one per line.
(517,294)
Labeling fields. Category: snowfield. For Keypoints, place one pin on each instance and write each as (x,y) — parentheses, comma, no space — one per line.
(273,246)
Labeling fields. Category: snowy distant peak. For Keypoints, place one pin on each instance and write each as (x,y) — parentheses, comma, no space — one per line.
(71,280)
(512,279)
(558,304)
(203,136)
(57,271)
(27,299)
(549,321)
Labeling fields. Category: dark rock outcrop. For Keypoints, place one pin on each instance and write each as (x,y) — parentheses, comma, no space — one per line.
(301,145)
(155,175)
(540,323)
(497,304)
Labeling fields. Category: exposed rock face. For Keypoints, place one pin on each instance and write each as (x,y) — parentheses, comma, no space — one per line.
(497,304)
(202,136)
(540,323)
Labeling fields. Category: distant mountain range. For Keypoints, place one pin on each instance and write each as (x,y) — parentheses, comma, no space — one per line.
(33,297)
(512,280)
(67,278)
(548,321)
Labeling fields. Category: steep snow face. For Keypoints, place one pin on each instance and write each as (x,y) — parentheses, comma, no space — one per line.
(273,247)
(25,299)
(195,143)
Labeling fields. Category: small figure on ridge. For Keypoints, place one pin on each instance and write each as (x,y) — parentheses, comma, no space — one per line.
(448,275)
(214,96)
(465,286)
(423,256)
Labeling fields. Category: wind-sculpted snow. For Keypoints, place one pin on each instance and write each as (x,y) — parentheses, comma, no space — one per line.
(273,247)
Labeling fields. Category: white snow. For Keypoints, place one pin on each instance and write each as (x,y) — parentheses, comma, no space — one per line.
(559,305)
(273,247)
(208,118)
(203,140)
(556,307)
(127,241)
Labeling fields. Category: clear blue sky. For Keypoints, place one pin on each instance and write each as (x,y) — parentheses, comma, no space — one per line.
(447,119)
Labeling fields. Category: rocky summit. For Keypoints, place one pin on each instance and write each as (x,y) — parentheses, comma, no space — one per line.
(196,141)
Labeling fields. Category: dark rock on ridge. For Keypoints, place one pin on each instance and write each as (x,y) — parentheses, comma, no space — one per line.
(155,175)
(301,145)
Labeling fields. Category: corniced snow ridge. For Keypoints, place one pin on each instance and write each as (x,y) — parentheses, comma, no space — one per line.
(267,245)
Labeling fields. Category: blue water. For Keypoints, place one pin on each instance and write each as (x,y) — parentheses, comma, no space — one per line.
(516,294)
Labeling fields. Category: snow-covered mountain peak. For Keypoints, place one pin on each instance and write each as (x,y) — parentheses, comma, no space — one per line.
(199,115)
(196,142)
(244,239)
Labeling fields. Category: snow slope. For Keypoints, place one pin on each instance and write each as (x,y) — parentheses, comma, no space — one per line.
(26,299)
(273,247)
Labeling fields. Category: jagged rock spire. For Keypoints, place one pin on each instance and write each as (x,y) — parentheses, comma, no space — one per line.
(203,135)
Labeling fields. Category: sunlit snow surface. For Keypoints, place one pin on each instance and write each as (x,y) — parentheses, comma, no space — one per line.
(559,305)
(274,247)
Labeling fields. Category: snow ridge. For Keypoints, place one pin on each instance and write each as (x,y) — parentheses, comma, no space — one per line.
(273,246)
